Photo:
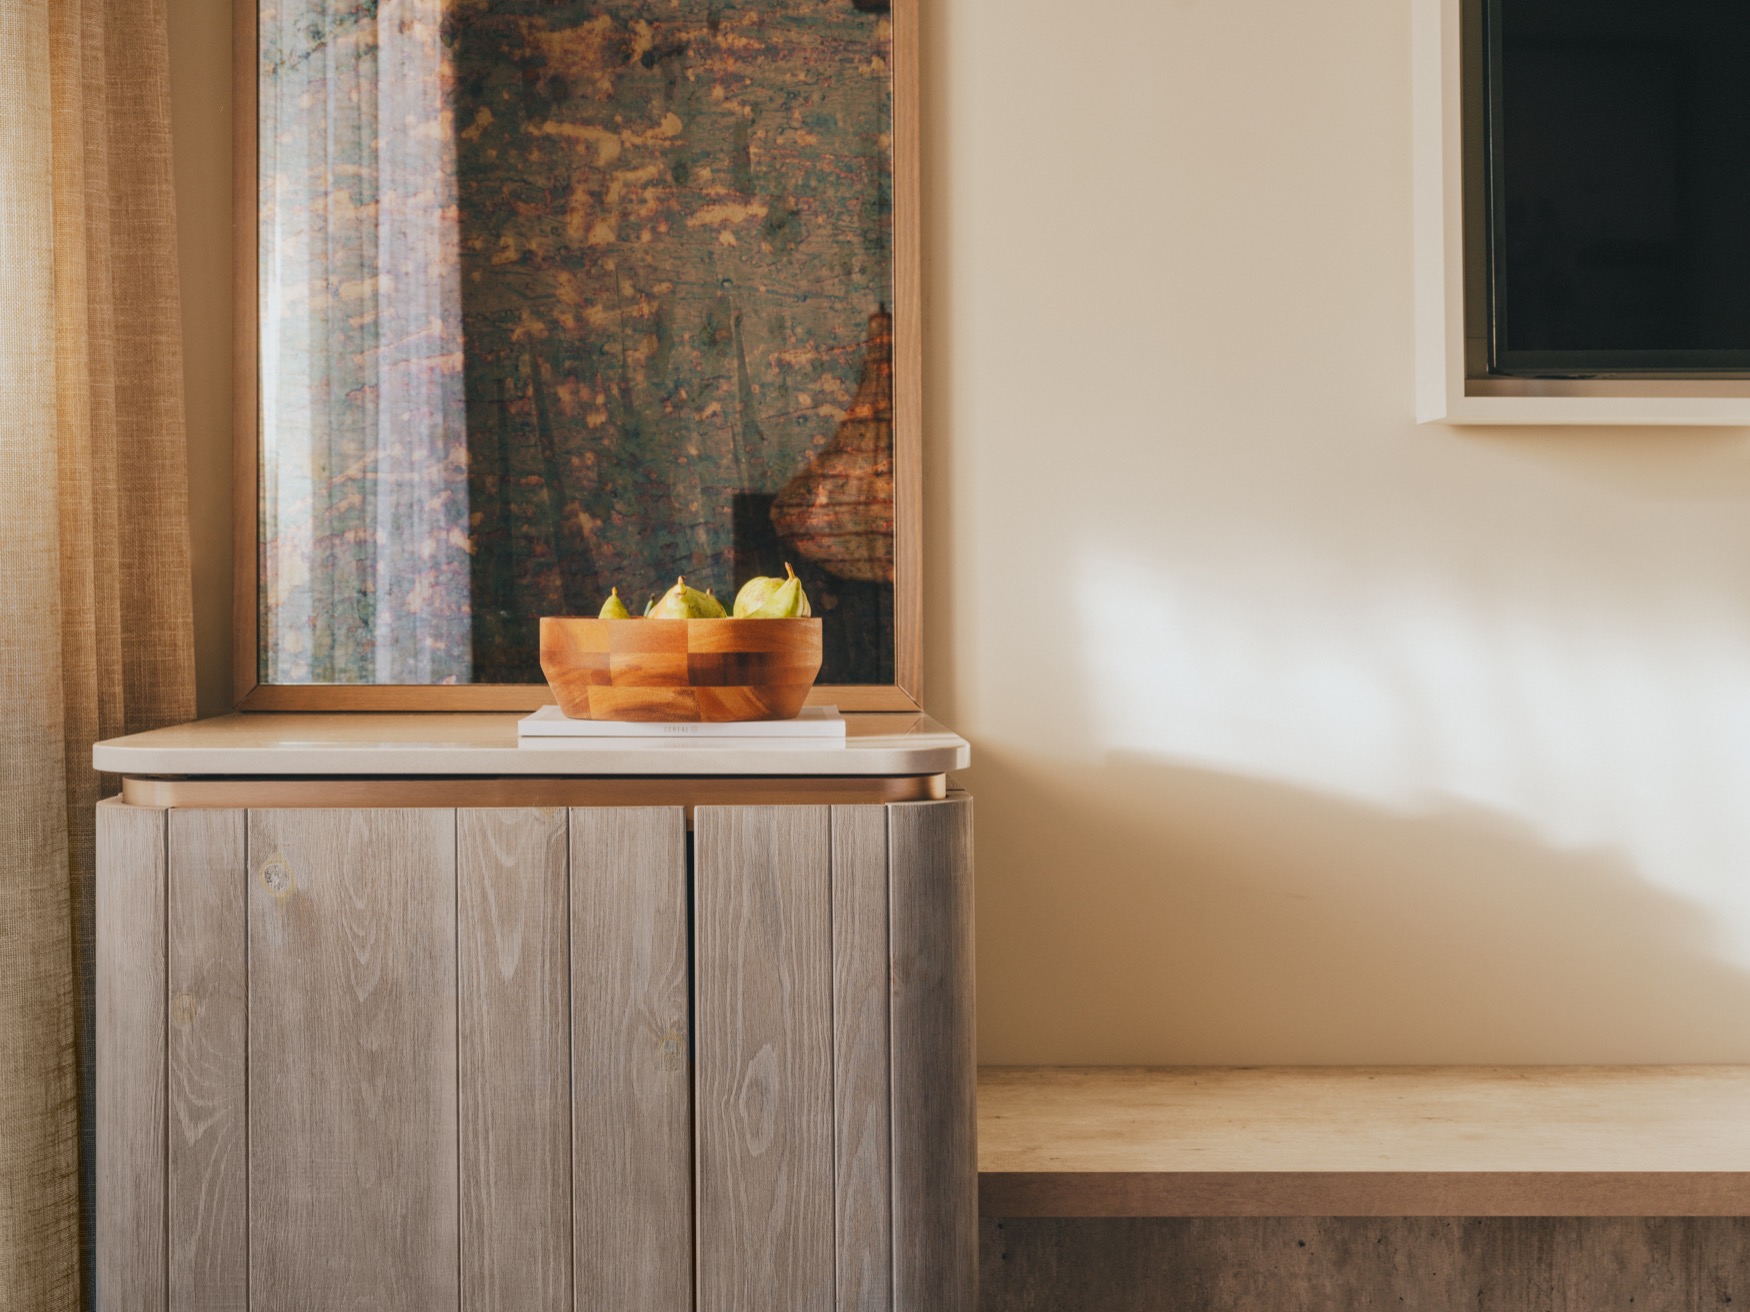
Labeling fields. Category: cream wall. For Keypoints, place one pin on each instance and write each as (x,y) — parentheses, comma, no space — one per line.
(1303,734)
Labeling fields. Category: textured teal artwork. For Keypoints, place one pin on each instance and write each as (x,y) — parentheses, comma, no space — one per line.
(558,297)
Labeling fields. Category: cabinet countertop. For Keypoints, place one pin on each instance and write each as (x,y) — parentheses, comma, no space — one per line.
(409,744)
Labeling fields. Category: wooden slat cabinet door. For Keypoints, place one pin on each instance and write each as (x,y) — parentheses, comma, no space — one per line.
(337,1059)
(835,1080)
(339,1049)
(536,1060)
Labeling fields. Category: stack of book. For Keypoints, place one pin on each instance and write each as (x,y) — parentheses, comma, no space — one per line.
(816,727)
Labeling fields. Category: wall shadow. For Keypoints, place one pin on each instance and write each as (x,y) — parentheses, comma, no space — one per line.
(1140,912)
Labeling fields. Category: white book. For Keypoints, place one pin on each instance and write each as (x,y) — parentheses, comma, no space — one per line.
(816,726)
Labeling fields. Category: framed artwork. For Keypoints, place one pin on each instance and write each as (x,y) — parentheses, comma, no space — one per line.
(543,298)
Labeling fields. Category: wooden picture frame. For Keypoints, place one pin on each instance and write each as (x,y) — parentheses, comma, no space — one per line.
(251,694)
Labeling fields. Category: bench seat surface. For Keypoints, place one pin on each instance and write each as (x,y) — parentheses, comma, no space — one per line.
(1347,1141)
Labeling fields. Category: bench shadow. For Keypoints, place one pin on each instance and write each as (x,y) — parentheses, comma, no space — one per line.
(1143,913)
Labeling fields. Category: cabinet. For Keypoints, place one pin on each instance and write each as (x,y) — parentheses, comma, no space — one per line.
(541,1057)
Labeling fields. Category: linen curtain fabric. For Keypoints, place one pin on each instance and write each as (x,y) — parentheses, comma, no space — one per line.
(96,633)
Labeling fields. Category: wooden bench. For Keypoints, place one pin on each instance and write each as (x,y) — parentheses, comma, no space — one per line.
(1376,1142)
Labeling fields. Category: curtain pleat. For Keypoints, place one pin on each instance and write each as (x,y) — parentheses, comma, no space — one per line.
(39,1146)
(96,633)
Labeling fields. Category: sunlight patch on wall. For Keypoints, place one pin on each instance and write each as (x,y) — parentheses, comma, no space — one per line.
(1594,723)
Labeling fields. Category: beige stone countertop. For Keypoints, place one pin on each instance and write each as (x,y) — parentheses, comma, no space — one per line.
(408,743)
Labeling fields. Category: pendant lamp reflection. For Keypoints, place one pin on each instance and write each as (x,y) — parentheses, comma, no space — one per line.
(838,510)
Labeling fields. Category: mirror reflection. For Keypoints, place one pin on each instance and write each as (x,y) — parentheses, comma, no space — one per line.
(557,298)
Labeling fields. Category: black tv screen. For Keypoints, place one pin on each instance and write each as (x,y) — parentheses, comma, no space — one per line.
(1618,149)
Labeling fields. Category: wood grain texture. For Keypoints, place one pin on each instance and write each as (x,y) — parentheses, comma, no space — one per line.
(231,794)
(245,357)
(1394,1141)
(631,1082)
(208,1201)
(352,1060)
(512,1039)
(680,670)
(131,976)
(847,697)
(1546,1264)
(763,980)
(1366,1193)
(863,1181)
(935,1156)
(908,360)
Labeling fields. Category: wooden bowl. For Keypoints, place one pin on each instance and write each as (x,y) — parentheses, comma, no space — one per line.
(712,670)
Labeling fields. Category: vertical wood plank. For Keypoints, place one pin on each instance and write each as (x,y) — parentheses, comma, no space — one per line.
(130,1058)
(763,970)
(514,1096)
(862,1179)
(632,1097)
(935,1131)
(352,1060)
(208,992)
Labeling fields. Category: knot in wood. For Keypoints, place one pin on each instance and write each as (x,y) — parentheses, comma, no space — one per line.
(276,878)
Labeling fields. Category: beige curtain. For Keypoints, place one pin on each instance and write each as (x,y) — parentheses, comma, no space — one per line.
(95,627)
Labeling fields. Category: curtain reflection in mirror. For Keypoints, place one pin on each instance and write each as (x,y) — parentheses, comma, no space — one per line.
(365,568)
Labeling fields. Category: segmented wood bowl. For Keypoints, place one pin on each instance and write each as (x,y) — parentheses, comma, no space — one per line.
(656,670)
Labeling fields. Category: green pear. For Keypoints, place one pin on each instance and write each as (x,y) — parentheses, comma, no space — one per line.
(672,605)
(613,608)
(784,604)
(683,603)
(804,610)
(753,594)
(757,591)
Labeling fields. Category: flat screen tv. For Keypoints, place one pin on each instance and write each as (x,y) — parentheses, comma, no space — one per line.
(1617,138)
